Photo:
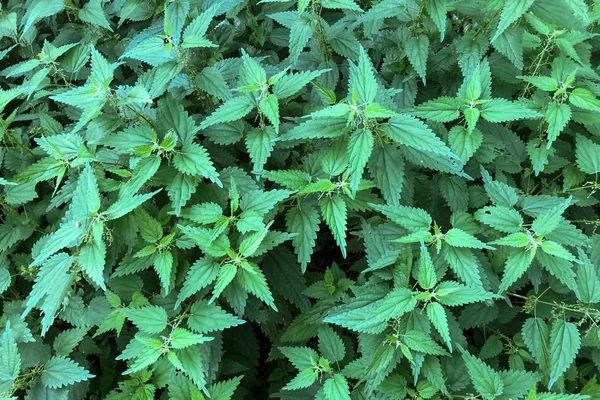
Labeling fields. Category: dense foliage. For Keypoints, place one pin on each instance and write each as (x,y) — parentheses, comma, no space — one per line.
(312,199)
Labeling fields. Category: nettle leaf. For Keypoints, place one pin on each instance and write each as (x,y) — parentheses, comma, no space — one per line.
(149,319)
(409,131)
(512,11)
(334,212)
(193,159)
(417,50)
(61,371)
(487,382)
(564,344)
(502,110)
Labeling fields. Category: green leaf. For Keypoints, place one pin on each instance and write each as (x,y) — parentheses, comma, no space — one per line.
(510,45)
(149,319)
(437,10)
(516,264)
(564,345)
(386,166)
(10,359)
(205,213)
(437,316)
(427,276)
(304,222)
(301,357)
(417,50)
(92,256)
(512,11)
(588,155)
(269,106)
(545,83)
(253,281)
(341,4)
(557,116)
(201,274)
(555,249)
(193,36)
(587,280)
(502,110)
(224,390)
(180,190)
(360,146)
(442,109)
(464,143)
(421,342)
(163,264)
(464,264)
(487,382)
(549,220)
(290,84)
(336,388)
(93,13)
(38,10)
(454,294)
(411,218)
(585,99)
(304,379)
(334,212)
(362,79)
(504,219)
(224,278)
(205,317)
(395,304)
(182,338)
(232,110)
(193,159)
(459,238)
(125,205)
(61,371)
(331,345)
(259,143)
(409,131)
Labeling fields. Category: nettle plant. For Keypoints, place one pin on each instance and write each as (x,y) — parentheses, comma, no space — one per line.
(312,199)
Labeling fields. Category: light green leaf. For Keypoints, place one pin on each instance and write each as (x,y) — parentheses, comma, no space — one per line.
(360,147)
(232,110)
(205,317)
(487,382)
(62,371)
(557,116)
(502,110)
(409,131)
(564,345)
(259,143)
(588,155)
(126,205)
(512,11)
(304,222)
(331,345)
(193,159)
(362,79)
(437,316)
(459,238)
(336,388)
(334,212)
(417,50)
(442,109)
(411,218)
(585,99)
(516,264)
(149,319)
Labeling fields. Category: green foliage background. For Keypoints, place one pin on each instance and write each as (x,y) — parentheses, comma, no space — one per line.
(312,199)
